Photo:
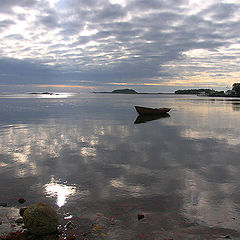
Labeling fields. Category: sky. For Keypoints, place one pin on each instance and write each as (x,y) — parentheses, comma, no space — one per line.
(101,45)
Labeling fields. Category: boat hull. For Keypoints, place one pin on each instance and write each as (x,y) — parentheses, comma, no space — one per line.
(151,111)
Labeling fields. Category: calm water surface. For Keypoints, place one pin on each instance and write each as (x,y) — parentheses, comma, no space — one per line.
(89,156)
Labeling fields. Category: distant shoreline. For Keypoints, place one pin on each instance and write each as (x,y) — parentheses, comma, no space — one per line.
(128,91)
(134,93)
(196,92)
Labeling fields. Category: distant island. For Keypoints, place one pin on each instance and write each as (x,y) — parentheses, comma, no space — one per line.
(125,91)
(50,93)
(194,91)
(128,91)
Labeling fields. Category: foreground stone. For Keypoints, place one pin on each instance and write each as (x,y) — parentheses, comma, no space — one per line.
(40,219)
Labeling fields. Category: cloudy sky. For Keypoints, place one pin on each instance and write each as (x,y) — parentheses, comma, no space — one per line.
(97,45)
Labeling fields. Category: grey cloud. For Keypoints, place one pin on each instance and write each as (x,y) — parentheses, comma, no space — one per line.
(69,29)
(81,40)
(218,75)
(93,11)
(117,25)
(142,4)
(26,49)
(12,71)
(110,11)
(49,21)
(79,4)
(21,17)
(25,71)
(6,6)
(56,46)
(221,11)
(90,15)
(15,37)
(195,32)
(121,31)
(5,24)
(136,5)
(121,35)
(192,32)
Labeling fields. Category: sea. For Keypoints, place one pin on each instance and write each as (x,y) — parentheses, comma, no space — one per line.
(101,166)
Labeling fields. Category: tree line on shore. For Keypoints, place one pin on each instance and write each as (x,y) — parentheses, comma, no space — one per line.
(235,92)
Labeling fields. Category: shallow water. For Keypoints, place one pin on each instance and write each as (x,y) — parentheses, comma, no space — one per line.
(89,157)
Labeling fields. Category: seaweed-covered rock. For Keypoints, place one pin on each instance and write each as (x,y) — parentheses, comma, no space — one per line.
(40,219)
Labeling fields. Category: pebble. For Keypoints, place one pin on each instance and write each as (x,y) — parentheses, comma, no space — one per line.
(19,221)
(3,204)
(112,221)
(21,200)
(140,216)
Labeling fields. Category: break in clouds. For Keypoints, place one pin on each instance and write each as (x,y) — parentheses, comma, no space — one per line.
(101,43)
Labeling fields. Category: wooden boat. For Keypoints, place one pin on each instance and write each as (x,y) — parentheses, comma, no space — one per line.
(151,111)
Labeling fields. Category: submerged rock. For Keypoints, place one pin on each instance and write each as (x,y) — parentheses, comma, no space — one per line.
(21,200)
(40,219)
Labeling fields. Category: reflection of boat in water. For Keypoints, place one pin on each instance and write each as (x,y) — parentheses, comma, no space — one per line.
(147,118)
(151,111)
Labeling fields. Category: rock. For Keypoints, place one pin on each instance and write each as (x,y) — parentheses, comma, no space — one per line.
(40,219)
(68,225)
(19,221)
(22,210)
(21,200)
(3,204)
(140,216)
(112,221)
